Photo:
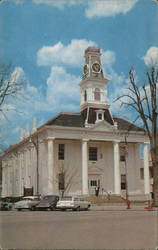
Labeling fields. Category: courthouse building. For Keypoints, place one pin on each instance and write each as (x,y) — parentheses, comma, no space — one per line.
(76,152)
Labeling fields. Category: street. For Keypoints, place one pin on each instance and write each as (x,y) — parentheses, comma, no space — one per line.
(79,230)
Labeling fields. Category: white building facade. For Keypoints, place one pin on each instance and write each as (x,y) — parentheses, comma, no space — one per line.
(76,152)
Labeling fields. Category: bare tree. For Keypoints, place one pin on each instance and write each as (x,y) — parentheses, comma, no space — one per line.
(144,100)
(66,178)
(10,86)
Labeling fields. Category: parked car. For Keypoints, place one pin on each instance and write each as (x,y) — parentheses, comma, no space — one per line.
(6,206)
(27,202)
(48,202)
(74,203)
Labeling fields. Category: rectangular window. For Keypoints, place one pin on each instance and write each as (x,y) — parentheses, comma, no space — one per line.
(61,152)
(93,183)
(151,172)
(142,173)
(93,153)
(123,181)
(122,153)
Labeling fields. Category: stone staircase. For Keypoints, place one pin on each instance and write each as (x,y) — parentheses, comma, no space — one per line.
(105,199)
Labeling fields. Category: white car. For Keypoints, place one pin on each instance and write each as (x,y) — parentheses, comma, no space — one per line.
(74,203)
(27,202)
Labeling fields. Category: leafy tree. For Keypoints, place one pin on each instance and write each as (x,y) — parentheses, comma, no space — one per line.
(143,98)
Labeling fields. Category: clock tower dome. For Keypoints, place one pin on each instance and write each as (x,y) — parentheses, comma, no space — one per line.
(93,89)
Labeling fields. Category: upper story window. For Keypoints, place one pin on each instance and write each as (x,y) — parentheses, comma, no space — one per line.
(122,154)
(61,152)
(99,115)
(123,181)
(93,154)
(85,95)
(97,94)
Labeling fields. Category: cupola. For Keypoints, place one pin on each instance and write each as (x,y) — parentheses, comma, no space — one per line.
(93,88)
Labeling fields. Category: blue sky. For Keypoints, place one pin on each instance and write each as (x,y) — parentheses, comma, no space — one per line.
(45,42)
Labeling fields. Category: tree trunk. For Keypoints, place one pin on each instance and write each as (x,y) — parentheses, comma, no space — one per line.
(154,156)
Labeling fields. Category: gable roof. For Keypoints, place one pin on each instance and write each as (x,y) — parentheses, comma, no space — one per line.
(77,120)
(67,120)
(126,125)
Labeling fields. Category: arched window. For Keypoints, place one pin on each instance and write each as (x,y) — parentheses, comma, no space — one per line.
(97,94)
(85,95)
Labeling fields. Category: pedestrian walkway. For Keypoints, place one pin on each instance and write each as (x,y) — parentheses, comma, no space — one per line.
(121,207)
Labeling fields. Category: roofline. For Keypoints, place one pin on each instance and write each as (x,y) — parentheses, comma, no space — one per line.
(46,126)
(56,116)
(129,122)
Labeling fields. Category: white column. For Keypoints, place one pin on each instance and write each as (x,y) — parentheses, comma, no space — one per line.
(146,169)
(50,189)
(27,181)
(4,180)
(84,167)
(117,179)
(8,179)
(20,175)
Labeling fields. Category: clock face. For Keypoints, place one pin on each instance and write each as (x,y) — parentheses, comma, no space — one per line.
(96,67)
(85,69)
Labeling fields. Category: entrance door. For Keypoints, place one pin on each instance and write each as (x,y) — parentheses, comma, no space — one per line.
(93,182)
(28,191)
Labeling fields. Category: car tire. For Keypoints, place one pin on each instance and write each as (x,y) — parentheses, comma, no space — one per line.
(77,208)
(19,209)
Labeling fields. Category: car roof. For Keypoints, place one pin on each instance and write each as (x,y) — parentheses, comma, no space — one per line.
(36,196)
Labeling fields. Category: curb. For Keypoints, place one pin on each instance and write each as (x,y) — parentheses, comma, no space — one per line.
(121,208)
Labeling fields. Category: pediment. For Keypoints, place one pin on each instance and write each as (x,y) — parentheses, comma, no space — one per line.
(102,126)
(92,169)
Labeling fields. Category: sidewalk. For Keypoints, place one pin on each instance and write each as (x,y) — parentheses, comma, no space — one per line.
(120,207)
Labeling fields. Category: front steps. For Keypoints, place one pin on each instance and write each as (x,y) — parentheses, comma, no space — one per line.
(113,200)
(105,199)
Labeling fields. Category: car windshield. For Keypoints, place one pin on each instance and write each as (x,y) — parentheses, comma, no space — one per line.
(48,198)
(30,198)
(27,199)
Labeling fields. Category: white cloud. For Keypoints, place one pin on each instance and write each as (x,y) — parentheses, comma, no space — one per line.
(151,57)
(18,1)
(59,56)
(95,8)
(62,90)
(108,58)
(59,3)
(107,8)
(72,54)
(18,75)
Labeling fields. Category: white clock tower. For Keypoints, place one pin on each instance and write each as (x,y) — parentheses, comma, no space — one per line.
(93,89)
